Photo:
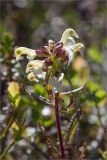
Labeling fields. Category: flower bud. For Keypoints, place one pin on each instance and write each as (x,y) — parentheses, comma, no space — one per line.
(48,62)
(61,53)
(42,52)
(65,59)
(58,48)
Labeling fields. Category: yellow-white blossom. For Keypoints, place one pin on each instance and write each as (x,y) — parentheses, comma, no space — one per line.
(37,65)
(69,43)
(32,77)
(68,33)
(48,63)
(31,54)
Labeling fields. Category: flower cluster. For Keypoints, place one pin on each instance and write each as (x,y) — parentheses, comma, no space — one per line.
(48,62)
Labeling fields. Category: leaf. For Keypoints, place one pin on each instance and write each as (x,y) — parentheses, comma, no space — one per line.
(15,126)
(74,127)
(7,41)
(7,38)
(95,55)
(93,86)
(14,93)
(104,154)
(39,89)
(71,132)
(101,94)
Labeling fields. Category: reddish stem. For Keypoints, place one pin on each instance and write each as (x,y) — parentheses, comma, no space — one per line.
(59,125)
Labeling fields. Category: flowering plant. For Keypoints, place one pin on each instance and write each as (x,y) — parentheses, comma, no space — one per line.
(48,65)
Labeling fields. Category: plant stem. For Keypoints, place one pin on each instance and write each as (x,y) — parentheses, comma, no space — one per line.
(8,126)
(59,125)
(7,149)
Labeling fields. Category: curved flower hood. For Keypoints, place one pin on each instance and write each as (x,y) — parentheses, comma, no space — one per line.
(36,65)
(24,51)
(69,43)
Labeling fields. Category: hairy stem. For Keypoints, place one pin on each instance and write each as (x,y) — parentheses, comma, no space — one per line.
(59,125)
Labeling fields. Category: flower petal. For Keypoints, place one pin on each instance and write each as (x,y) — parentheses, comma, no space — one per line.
(55,84)
(41,75)
(77,47)
(42,52)
(36,67)
(23,50)
(61,77)
(32,77)
(68,33)
(69,53)
(35,64)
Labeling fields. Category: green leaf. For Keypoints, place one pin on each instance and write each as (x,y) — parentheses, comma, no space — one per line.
(101,94)
(14,93)
(95,54)
(93,86)
(71,132)
(48,122)
(39,89)
(104,154)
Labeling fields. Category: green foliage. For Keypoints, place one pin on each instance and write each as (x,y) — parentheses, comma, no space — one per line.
(6,40)
(31,25)
(14,94)
(104,155)
(95,55)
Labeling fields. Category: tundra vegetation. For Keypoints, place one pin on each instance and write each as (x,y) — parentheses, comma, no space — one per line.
(52,75)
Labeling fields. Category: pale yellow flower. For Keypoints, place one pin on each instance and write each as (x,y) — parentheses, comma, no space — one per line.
(69,43)
(31,54)
(37,65)
(55,57)
(68,33)
(32,77)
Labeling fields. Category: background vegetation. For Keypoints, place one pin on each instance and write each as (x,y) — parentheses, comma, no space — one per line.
(30,23)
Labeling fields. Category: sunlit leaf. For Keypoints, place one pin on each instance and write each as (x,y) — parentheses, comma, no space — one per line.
(93,86)
(14,93)
(95,54)
(39,89)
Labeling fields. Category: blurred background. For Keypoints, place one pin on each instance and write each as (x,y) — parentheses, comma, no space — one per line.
(31,23)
